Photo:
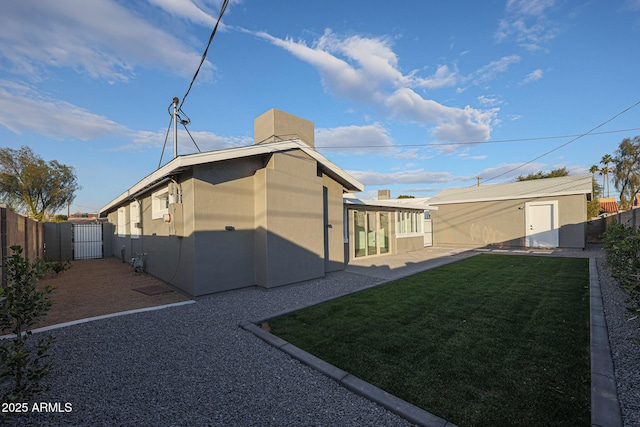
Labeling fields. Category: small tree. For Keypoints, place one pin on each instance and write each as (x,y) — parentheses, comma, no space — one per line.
(23,366)
(626,175)
(541,175)
(606,159)
(593,207)
(29,184)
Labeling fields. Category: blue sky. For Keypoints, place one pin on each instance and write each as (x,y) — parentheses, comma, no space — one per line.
(411,96)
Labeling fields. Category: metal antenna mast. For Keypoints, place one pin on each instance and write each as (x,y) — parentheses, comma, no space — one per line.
(175,126)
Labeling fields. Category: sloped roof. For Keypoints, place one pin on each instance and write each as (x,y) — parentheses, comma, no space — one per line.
(419,203)
(608,205)
(182,163)
(549,187)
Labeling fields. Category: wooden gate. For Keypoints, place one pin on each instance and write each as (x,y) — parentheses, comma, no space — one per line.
(87,241)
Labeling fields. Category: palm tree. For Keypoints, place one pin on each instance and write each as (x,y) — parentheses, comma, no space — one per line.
(594,170)
(606,159)
(604,172)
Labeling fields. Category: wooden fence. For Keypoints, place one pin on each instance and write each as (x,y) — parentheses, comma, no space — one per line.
(16,229)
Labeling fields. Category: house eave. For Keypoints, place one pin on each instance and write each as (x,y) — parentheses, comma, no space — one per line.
(519,197)
(185,162)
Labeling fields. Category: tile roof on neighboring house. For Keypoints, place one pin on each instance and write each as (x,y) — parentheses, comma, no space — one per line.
(548,187)
(608,205)
(184,162)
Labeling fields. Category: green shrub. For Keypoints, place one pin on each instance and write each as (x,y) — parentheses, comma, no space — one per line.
(621,246)
(22,304)
(57,267)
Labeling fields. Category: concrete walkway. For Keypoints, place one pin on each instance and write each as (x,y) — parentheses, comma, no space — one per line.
(391,267)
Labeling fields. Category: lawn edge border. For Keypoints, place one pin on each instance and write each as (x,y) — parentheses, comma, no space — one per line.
(101,317)
(352,383)
(605,406)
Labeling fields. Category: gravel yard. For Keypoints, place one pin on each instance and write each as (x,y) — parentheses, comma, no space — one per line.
(192,365)
(624,338)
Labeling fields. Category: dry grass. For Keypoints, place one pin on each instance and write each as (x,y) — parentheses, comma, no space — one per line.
(101,286)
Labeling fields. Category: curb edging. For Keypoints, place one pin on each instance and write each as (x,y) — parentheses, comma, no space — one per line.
(605,406)
(362,388)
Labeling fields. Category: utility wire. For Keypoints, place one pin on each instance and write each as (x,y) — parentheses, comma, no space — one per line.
(565,144)
(204,55)
(495,141)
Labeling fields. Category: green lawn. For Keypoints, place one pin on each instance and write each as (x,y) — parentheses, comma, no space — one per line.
(491,340)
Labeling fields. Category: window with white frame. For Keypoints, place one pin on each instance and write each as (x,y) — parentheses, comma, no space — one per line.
(134,219)
(122,222)
(159,203)
(409,223)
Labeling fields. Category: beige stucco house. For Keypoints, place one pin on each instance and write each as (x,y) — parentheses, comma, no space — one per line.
(543,213)
(269,214)
(383,226)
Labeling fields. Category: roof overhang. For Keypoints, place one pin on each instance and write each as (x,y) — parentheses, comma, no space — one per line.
(185,162)
(556,187)
(421,204)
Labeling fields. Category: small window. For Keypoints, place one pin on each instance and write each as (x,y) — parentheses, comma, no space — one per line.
(159,204)
(409,223)
(134,219)
(122,222)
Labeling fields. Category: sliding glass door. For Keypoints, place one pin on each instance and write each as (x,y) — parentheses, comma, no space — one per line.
(371,233)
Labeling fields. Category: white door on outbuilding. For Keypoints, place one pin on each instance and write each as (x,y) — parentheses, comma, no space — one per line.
(541,219)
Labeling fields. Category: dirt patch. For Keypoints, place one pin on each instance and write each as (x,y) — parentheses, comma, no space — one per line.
(97,287)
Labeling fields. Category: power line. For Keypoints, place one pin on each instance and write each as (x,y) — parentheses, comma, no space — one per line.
(566,143)
(495,141)
(204,55)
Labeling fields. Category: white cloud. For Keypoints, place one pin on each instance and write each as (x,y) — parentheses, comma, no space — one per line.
(206,141)
(509,171)
(407,154)
(492,69)
(185,9)
(366,70)
(450,123)
(371,138)
(488,101)
(443,77)
(423,190)
(27,110)
(203,12)
(416,176)
(526,23)
(99,38)
(465,156)
(533,76)
(529,7)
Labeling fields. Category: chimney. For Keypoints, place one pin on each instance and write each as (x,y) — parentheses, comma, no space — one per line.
(276,125)
(384,194)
